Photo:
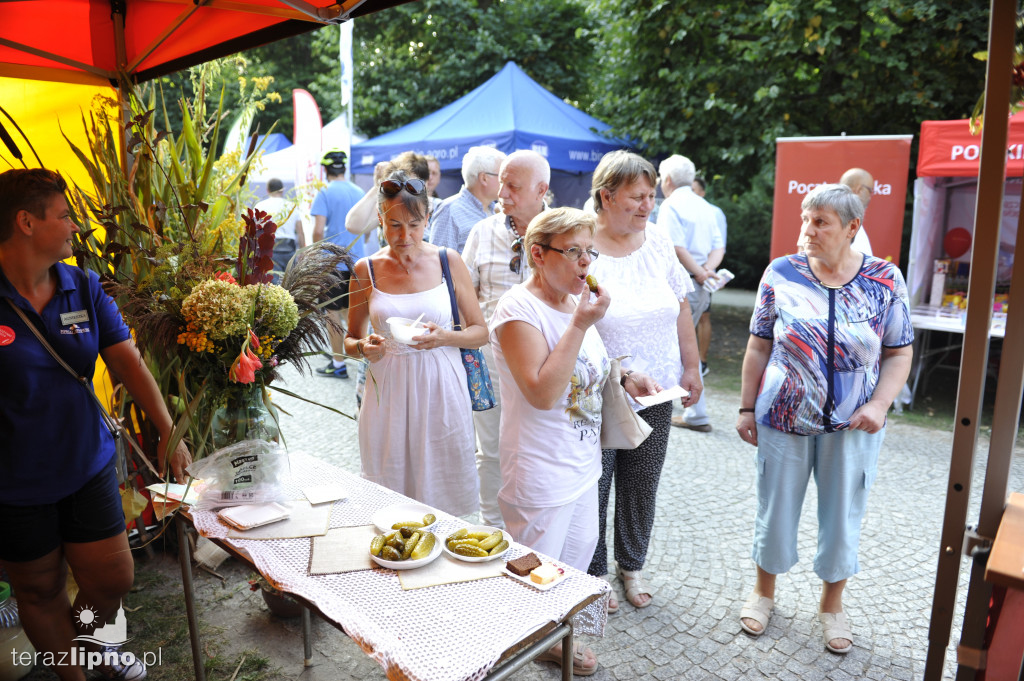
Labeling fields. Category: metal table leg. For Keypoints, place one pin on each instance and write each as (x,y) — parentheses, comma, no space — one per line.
(307,642)
(185,558)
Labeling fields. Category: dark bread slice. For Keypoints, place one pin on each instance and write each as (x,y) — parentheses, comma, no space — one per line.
(523,565)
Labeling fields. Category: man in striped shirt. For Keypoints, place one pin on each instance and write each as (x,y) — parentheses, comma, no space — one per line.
(457,214)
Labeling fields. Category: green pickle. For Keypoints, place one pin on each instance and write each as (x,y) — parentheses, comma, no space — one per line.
(390,553)
(461,533)
(491,540)
(411,524)
(592,282)
(423,547)
(429,519)
(469,550)
(406,532)
(410,545)
(377,544)
(498,549)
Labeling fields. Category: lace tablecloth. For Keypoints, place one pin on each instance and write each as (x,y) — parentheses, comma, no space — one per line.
(452,632)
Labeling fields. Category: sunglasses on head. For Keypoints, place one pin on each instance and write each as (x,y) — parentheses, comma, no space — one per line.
(516,263)
(414,186)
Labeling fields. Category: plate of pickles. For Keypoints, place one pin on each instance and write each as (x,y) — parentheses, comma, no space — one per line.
(404,549)
(477,543)
(413,516)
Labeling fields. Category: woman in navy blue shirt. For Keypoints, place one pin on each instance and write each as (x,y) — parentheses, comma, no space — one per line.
(59,499)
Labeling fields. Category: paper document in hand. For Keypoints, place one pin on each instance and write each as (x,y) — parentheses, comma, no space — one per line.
(664,396)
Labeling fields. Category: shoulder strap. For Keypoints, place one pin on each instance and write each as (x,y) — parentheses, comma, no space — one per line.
(369,264)
(451,288)
(107,419)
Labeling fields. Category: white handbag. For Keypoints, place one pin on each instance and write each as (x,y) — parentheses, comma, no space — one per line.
(621,427)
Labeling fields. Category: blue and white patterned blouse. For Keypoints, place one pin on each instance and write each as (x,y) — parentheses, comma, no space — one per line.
(826,342)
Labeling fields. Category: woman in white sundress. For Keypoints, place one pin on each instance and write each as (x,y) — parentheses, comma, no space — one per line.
(415,423)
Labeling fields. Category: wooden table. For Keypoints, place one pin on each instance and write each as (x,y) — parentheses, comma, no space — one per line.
(545,632)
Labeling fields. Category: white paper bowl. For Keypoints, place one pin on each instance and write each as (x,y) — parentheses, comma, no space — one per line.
(481,559)
(404,330)
(410,564)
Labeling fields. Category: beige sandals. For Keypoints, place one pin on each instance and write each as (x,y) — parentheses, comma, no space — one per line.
(633,582)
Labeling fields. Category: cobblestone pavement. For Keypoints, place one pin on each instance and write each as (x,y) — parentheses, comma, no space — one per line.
(699,562)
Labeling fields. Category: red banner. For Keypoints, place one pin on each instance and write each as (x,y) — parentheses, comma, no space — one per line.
(802,163)
(948,149)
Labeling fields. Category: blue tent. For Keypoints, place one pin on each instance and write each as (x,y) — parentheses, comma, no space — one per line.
(510,111)
(275,141)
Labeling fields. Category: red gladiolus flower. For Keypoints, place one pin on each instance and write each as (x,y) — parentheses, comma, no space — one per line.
(243,370)
(253,340)
(226,276)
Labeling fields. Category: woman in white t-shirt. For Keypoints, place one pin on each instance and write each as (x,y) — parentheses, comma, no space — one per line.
(553,365)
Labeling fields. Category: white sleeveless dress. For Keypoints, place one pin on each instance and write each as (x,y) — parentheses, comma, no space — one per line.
(415,425)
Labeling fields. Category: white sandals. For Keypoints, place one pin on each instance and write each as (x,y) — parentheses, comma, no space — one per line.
(759,609)
(835,625)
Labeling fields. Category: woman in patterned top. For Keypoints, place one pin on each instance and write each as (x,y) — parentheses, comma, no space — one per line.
(828,352)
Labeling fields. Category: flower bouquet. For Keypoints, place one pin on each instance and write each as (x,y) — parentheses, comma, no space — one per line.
(189,268)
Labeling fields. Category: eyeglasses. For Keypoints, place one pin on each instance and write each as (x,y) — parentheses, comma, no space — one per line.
(573,253)
(487,173)
(414,186)
(515,265)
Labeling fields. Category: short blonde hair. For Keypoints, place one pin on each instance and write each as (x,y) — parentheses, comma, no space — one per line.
(550,223)
(616,169)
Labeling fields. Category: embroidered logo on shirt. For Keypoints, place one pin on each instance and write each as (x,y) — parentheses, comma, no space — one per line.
(6,335)
(76,317)
(74,330)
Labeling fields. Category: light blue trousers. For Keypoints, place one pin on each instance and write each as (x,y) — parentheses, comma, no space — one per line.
(844,465)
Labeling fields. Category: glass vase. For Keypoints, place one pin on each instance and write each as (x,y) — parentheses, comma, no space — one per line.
(244,414)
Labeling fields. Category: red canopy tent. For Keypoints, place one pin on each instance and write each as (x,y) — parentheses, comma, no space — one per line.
(945,194)
(90,41)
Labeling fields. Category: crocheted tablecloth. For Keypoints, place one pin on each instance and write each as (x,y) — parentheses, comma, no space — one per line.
(451,632)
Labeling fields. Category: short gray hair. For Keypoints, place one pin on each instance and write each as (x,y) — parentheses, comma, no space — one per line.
(837,197)
(679,169)
(479,160)
(540,171)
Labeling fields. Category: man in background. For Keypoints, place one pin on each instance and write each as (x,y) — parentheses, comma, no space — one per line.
(330,207)
(494,256)
(457,214)
(691,225)
(862,184)
(289,236)
(704,324)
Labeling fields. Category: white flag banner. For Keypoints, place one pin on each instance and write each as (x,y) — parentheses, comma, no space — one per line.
(306,135)
(345,57)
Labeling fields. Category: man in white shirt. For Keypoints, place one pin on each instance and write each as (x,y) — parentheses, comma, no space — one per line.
(704,325)
(456,215)
(494,256)
(289,236)
(691,224)
(862,184)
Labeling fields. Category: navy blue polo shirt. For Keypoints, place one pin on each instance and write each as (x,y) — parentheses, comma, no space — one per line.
(52,439)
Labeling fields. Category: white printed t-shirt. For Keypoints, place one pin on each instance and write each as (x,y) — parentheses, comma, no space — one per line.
(549,457)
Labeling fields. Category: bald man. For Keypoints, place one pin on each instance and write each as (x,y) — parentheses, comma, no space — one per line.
(494,256)
(862,184)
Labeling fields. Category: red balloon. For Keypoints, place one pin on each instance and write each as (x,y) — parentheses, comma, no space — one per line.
(957,242)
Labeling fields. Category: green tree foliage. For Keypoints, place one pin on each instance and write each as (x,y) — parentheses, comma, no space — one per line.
(719,81)
(416,58)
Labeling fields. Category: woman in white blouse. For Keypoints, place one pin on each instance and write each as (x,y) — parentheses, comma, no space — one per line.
(648,319)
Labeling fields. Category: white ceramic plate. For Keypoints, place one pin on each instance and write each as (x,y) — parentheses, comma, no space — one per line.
(410,564)
(481,559)
(399,513)
(525,579)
